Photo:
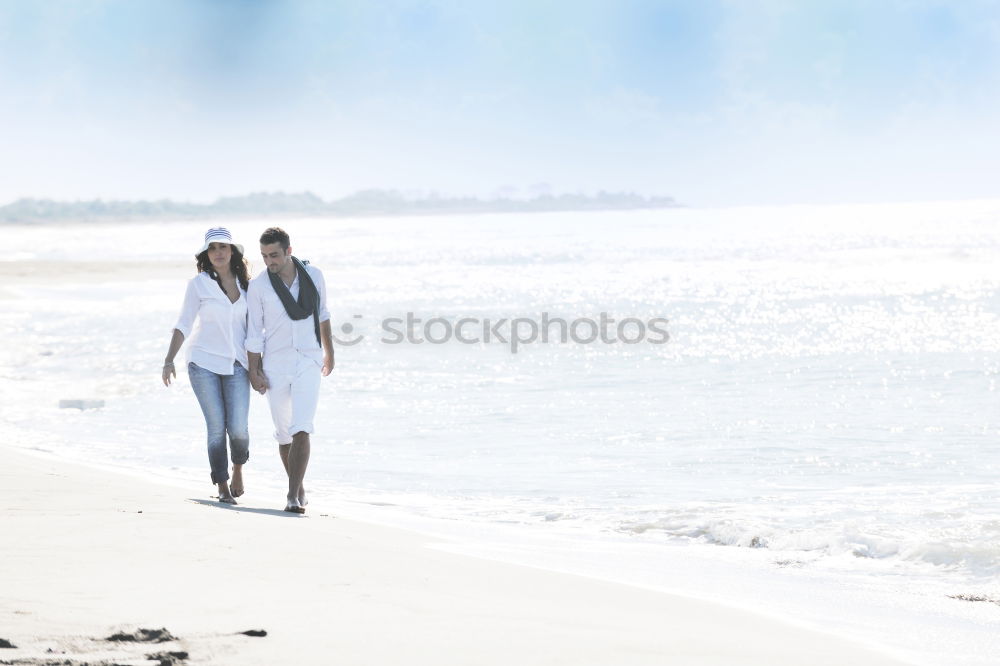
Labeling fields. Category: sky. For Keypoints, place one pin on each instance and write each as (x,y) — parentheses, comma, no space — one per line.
(712,102)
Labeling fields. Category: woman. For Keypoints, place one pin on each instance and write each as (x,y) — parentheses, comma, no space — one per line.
(217,366)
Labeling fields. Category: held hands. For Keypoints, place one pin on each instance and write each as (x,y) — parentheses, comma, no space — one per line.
(259,381)
(168,371)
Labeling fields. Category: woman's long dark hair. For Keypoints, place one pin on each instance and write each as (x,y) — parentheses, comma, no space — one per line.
(237,264)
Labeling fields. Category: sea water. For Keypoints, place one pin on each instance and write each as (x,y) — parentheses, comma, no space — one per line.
(814,434)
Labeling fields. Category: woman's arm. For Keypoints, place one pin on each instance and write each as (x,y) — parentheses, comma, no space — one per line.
(176,340)
(189,310)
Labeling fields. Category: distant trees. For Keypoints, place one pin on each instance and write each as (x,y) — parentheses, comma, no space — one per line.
(365,202)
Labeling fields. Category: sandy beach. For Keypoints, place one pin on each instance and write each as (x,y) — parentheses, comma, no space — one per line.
(89,554)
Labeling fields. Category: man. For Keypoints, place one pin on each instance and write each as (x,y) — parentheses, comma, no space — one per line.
(289,326)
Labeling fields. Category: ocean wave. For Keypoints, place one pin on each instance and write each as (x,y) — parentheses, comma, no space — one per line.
(979,557)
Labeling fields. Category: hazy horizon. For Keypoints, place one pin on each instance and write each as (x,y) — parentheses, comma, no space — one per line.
(711,103)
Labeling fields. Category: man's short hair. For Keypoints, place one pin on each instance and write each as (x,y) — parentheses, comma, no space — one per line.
(275,235)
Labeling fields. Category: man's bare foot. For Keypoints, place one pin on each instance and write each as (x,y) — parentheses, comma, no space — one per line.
(293,506)
(236,484)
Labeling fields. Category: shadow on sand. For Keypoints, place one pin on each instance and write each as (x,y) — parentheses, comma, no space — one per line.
(245,509)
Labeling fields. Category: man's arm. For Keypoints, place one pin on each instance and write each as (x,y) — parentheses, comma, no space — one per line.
(327,338)
(258,380)
(255,338)
(325,332)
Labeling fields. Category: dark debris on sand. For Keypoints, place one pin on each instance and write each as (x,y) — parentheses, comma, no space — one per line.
(62,662)
(168,658)
(143,636)
(256,633)
(974,597)
(161,635)
(4,643)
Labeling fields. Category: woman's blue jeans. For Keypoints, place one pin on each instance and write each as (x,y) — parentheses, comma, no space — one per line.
(225,402)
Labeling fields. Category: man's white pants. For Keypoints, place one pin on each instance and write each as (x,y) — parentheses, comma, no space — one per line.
(293,393)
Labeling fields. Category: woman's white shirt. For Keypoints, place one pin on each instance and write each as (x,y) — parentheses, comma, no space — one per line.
(220,335)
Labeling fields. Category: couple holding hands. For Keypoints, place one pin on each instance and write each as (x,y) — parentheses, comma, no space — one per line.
(271,333)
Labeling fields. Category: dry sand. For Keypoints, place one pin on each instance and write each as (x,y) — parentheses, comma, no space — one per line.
(87,553)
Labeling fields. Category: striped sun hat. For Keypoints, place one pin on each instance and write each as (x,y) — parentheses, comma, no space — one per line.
(218,235)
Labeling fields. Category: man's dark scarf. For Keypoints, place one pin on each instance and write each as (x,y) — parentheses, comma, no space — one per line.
(308,301)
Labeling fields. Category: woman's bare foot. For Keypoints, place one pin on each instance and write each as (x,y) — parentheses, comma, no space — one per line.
(236,484)
(224,495)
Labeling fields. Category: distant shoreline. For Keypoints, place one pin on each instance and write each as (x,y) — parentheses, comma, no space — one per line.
(368,203)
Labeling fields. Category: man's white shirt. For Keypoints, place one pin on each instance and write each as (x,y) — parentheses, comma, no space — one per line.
(272,332)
